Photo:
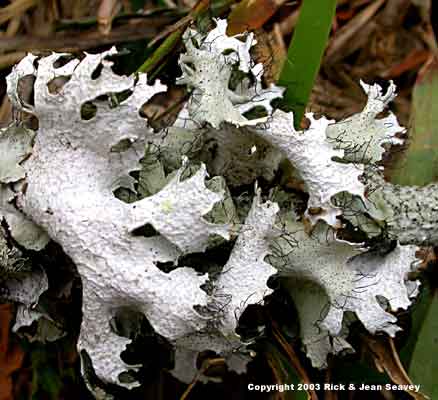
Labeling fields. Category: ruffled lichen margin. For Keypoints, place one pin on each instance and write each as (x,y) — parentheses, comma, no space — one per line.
(59,182)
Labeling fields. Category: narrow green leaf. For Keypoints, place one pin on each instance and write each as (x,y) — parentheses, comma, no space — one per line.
(162,51)
(305,54)
(160,56)
(419,164)
(424,363)
(288,374)
(419,312)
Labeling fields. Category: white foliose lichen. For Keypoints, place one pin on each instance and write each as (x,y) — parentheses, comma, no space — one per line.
(23,283)
(346,278)
(78,158)
(21,228)
(408,214)
(71,175)
(312,155)
(243,279)
(207,67)
(242,282)
(27,287)
(237,154)
(15,146)
(12,260)
(362,135)
(176,212)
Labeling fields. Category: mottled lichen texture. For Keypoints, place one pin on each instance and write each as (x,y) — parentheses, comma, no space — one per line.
(370,133)
(242,282)
(322,176)
(409,213)
(208,68)
(70,176)
(60,182)
(347,277)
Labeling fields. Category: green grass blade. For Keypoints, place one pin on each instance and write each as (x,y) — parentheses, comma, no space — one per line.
(419,164)
(419,313)
(424,362)
(162,51)
(305,54)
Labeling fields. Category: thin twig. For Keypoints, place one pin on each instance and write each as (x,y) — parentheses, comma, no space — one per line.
(288,24)
(106,12)
(15,9)
(6,60)
(346,33)
(205,366)
(293,358)
(5,111)
(13,26)
(67,41)
(181,24)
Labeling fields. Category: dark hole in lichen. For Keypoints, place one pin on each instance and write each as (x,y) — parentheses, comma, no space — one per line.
(125,195)
(88,110)
(127,322)
(147,347)
(127,377)
(166,267)
(97,72)
(25,89)
(56,84)
(251,322)
(256,112)
(115,99)
(146,230)
(236,78)
(121,146)
(63,60)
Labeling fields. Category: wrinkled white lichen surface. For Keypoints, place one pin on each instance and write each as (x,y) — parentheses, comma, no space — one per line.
(59,182)
(208,68)
(345,278)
